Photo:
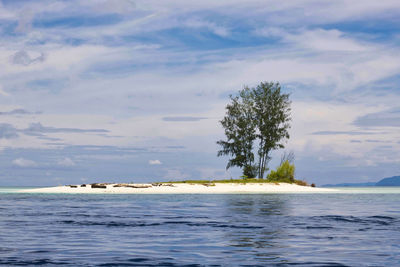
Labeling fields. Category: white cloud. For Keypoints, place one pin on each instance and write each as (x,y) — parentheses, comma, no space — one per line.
(213,27)
(23,58)
(316,39)
(117,6)
(214,173)
(25,18)
(155,162)
(21,162)
(67,162)
(4,13)
(2,92)
(176,174)
(129,86)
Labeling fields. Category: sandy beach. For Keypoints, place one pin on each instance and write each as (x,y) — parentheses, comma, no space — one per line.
(182,188)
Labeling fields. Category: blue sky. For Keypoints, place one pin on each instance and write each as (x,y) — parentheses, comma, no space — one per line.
(125,90)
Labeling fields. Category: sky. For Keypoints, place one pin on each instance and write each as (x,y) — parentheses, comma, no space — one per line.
(133,90)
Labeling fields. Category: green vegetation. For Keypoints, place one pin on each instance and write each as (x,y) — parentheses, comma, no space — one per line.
(235,181)
(227,181)
(257,114)
(284,173)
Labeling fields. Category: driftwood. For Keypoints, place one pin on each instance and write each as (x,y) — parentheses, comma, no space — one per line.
(163,184)
(120,185)
(99,185)
(168,185)
(133,185)
(139,186)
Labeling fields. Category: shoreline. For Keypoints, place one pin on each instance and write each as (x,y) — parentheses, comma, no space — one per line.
(181,188)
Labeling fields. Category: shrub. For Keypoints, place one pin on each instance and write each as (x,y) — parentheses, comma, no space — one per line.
(301,182)
(284,173)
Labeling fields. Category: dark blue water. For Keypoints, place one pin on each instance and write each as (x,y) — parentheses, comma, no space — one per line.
(200,230)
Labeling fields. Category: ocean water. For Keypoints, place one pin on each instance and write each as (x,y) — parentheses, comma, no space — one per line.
(357,227)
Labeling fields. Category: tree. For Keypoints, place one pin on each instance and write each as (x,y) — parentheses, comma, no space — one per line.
(261,113)
(239,125)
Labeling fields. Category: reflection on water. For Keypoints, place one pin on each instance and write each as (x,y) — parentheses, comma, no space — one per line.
(176,230)
(264,215)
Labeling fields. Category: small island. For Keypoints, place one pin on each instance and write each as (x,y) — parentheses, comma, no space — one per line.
(256,122)
(239,186)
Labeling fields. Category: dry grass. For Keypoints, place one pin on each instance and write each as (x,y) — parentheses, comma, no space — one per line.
(227,181)
(300,182)
(236,181)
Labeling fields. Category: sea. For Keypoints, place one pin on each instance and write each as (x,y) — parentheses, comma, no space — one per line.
(353,227)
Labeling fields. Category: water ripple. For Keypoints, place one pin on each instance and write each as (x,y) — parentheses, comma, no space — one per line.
(199,230)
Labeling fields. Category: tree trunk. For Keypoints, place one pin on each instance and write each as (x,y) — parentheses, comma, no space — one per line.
(264,162)
(261,155)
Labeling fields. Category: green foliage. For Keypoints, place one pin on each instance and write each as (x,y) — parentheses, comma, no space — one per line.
(238,181)
(261,113)
(227,181)
(284,173)
(240,131)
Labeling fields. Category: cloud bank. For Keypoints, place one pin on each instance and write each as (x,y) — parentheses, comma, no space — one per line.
(153,78)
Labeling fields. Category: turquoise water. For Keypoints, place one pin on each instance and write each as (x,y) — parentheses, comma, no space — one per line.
(356,227)
(369,190)
(13,189)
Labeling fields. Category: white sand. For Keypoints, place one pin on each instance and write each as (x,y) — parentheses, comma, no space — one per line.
(181,188)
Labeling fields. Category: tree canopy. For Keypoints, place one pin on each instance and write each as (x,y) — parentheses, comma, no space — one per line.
(258,115)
